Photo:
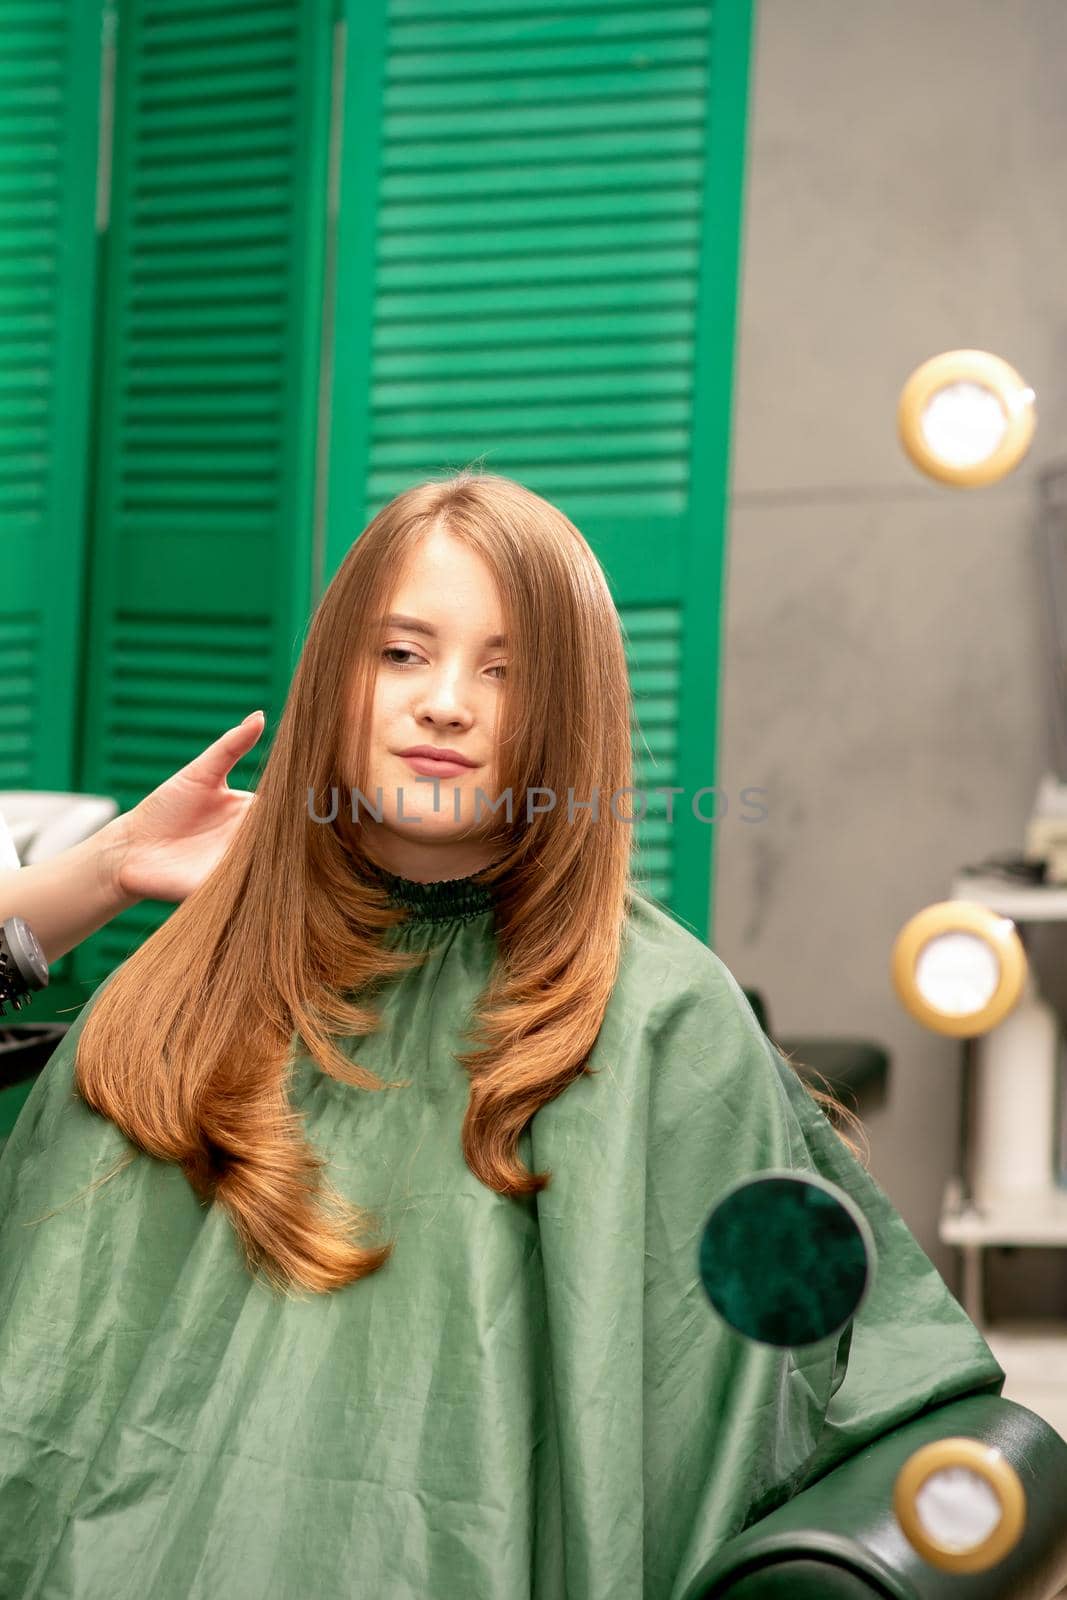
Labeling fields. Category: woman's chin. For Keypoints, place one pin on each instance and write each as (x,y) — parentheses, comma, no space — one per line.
(430,829)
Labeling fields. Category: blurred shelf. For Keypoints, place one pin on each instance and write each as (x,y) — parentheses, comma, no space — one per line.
(1023,902)
(1028,1219)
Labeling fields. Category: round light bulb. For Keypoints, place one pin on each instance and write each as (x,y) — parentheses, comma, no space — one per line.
(958,973)
(958,968)
(961,1504)
(964,423)
(958,1509)
(966,418)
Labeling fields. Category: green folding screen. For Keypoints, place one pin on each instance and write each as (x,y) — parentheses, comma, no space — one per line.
(536,268)
(49,95)
(203,517)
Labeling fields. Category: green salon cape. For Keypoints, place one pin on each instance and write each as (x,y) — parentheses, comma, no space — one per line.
(532,1400)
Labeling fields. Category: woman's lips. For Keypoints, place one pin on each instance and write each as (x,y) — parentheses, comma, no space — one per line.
(436,769)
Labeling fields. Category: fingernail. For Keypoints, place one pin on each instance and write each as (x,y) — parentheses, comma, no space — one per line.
(250,715)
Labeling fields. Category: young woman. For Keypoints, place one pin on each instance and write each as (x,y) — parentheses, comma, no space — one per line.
(349,1241)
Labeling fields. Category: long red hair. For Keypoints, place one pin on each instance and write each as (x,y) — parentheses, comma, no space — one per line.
(187,1046)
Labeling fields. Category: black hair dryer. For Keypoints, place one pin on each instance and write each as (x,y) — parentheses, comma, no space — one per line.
(22,964)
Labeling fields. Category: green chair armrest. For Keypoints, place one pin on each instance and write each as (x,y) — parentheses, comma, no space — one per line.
(839,1538)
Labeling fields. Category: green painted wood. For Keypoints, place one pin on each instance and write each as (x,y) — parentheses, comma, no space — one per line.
(200,583)
(537,264)
(49,128)
(49,97)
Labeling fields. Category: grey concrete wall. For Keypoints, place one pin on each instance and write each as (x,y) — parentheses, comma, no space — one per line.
(884,663)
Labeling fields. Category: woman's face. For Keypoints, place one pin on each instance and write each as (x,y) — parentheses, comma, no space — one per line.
(440,684)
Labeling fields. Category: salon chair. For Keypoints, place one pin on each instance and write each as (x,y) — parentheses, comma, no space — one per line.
(840,1540)
(856,1070)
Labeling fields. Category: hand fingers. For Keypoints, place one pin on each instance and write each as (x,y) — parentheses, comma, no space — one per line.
(213,764)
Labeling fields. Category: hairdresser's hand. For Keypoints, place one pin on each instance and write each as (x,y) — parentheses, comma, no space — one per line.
(176,836)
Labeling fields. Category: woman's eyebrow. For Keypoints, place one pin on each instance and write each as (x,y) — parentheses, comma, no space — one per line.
(413,625)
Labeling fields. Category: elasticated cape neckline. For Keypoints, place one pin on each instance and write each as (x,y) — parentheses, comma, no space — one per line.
(446,900)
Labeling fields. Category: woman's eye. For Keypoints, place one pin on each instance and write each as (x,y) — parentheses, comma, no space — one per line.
(398,650)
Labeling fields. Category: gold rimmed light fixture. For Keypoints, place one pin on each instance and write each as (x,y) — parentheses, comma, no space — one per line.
(966,417)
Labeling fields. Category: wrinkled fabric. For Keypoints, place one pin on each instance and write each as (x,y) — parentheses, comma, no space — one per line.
(532,1400)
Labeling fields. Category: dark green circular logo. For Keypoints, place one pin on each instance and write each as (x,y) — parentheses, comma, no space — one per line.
(786,1258)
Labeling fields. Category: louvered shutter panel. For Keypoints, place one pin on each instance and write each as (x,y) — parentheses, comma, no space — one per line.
(537,270)
(49,97)
(201,580)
